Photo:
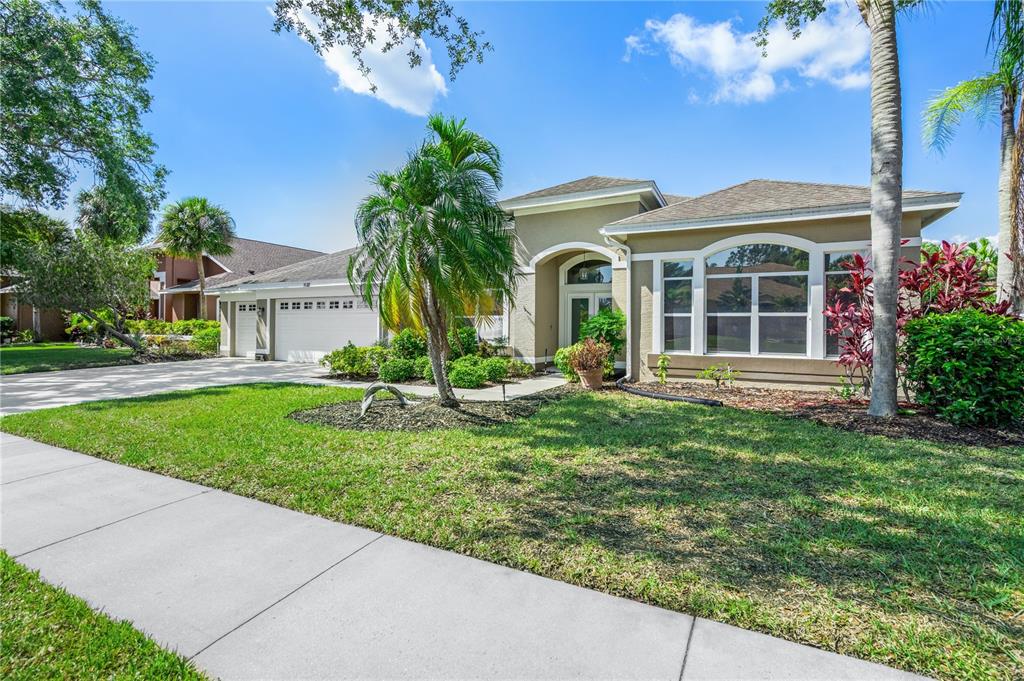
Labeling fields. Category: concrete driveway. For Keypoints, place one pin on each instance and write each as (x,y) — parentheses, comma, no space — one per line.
(27,392)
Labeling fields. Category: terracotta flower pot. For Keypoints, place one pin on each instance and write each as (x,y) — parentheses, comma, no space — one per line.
(592,379)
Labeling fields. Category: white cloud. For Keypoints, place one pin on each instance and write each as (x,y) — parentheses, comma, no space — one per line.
(412,90)
(832,49)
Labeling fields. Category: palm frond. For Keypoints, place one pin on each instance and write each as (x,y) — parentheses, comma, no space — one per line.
(944,112)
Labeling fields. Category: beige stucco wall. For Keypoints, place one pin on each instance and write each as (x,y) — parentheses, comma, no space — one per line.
(540,231)
(642,308)
(844,229)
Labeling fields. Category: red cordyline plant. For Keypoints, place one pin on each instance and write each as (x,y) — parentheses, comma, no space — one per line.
(944,281)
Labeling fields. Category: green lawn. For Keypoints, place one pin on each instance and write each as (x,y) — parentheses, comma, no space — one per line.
(906,553)
(20,359)
(49,634)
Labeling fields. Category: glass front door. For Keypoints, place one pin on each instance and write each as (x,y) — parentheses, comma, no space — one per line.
(583,306)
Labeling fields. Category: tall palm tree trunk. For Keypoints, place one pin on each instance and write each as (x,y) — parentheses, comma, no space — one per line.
(1016,247)
(886,197)
(202,287)
(1007,139)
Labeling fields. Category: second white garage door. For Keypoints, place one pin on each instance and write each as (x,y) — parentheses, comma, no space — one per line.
(306,329)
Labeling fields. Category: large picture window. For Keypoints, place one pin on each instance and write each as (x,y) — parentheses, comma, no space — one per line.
(590,272)
(677,307)
(757,300)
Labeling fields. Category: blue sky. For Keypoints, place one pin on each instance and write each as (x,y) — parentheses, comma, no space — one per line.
(262,125)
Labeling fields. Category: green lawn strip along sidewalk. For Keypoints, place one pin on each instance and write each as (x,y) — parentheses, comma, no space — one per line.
(900,552)
(49,634)
(21,359)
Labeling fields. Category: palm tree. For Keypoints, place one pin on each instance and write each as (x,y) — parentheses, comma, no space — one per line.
(192,228)
(886,172)
(1002,89)
(433,242)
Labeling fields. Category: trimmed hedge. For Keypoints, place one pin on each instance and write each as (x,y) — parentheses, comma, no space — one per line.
(407,344)
(396,370)
(467,372)
(968,366)
(206,341)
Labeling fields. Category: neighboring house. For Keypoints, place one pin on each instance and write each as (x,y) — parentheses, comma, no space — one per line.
(45,324)
(739,275)
(175,288)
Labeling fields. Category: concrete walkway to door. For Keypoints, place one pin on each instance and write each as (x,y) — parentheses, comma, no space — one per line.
(27,392)
(249,590)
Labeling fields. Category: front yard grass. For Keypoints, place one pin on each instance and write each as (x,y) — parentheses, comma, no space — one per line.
(49,634)
(20,359)
(902,552)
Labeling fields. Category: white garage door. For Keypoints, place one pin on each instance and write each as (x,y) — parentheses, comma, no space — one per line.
(245,330)
(308,328)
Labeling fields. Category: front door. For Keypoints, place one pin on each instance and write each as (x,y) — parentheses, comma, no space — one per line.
(579,308)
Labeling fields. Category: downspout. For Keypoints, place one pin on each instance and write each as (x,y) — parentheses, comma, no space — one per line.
(615,243)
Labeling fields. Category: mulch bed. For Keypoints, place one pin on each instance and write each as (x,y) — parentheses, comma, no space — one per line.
(912,423)
(427,414)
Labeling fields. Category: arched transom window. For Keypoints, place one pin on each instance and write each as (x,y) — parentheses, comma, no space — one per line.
(589,272)
(757,300)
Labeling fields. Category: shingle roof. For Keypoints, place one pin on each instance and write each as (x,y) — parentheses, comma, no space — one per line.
(674,198)
(250,256)
(763,196)
(584,184)
(325,267)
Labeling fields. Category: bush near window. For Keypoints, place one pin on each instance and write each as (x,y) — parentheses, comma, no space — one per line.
(206,341)
(467,372)
(407,344)
(517,368)
(463,342)
(588,355)
(496,369)
(607,326)
(396,370)
(968,366)
(6,328)
(351,361)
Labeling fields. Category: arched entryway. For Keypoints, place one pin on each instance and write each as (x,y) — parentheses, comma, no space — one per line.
(584,289)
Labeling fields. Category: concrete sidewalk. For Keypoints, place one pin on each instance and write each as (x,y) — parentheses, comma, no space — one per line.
(249,590)
(27,392)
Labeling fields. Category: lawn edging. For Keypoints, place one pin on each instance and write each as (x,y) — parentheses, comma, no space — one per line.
(621,385)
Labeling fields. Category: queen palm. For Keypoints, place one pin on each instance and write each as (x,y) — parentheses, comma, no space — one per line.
(433,242)
(192,228)
(1000,90)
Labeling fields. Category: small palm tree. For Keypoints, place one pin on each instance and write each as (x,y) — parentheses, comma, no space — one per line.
(433,242)
(194,227)
(999,90)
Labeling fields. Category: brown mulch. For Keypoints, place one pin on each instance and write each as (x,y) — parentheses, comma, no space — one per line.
(426,414)
(912,423)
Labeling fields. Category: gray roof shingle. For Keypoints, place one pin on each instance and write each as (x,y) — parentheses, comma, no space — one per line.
(249,257)
(584,184)
(763,196)
(326,267)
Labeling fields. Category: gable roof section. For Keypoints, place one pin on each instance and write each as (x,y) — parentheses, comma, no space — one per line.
(594,187)
(249,257)
(762,199)
(329,267)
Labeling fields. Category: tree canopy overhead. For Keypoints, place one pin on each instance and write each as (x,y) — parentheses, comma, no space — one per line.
(357,24)
(74,91)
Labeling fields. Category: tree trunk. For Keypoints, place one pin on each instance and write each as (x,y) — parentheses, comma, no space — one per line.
(1004,269)
(1016,247)
(202,287)
(886,199)
(125,338)
(437,348)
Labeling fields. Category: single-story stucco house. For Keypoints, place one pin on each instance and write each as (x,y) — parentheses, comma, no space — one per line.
(739,275)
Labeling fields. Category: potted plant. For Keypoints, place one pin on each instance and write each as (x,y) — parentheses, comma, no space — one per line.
(587,358)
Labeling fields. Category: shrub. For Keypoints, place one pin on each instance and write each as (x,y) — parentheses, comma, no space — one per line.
(496,368)
(424,369)
(517,368)
(148,326)
(190,327)
(563,364)
(664,362)
(719,373)
(206,341)
(463,341)
(25,336)
(607,326)
(407,344)
(351,361)
(588,355)
(396,370)
(466,374)
(6,328)
(967,366)
(377,355)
